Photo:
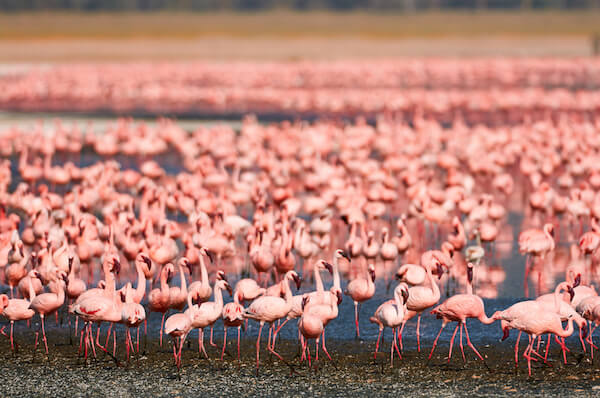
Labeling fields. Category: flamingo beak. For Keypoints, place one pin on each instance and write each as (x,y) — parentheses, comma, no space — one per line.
(116,266)
(209,255)
(397,276)
(577,281)
(147,261)
(70,263)
(329,267)
(339,297)
(505,332)
(440,270)
(222,276)
(470,274)
(298,281)
(344,218)
(229,289)
(571,293)
(372,273)
(304,301)
(405,295)
(345,255)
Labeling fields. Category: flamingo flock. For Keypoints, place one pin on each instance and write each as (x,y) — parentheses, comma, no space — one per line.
(278,223)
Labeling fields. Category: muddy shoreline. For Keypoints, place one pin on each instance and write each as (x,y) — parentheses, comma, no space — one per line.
(353,371)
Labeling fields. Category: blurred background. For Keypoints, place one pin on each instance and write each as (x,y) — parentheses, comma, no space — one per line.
(96,30)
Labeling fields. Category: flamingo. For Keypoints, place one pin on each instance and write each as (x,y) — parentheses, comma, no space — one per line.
(268,309)
(361,290)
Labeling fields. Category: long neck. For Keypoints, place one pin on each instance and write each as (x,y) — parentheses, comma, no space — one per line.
(31,289)
(140,289)
(434,286)
(549,237)
(336,273)
(318,281)
(183,284)
(288,291)
(203,272)
(219,297)
(164,286)
(566,332)
(557,298)
(61,293)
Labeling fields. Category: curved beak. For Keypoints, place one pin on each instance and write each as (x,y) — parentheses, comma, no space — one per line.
(147,260)
(470,274)
(70,263)
(116,266)
(372,273)
(577,281)
(405,295)
(339,297)
(222,276)
(328,266)
(209,255)
(298,281)
(345,255)
(397,276)
(304,301)
(229,289)
(440,270)
(571,293)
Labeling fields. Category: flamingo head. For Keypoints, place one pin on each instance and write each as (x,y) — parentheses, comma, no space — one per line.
(344,218)
(228,287)
(184,262)
(221,275)
(404,291)
(372,272)
(327,266)
(170,272)
(577,281)
(70,263)
(571,293)
(470,272)
(116,266)
(146,260)
(338,294)
(439,269)
(341,253)
(305,300)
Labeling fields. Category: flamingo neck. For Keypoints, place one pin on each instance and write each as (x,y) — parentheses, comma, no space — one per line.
(140,289)
(336,273)
(318,280)
(219,297)
(203,272)
(183,284)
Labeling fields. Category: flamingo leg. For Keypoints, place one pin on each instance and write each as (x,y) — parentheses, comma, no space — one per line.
(462,351)
(325,348)
(395,343)
(529,356)
(238,343)
(400,336)
(392,348)
(258,346)
(517,349)
(471,344)
(44,334)
(436,340)
(224,341)
(316,349)
(162,323)
(419,333)
(211,336)
(201,331)
(356,319)
(277,331)
(377,345)
(452,343)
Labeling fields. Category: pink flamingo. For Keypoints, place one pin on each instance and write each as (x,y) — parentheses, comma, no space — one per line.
(18,309)
(457,309)
(159,299)
(268,309)
(361,290)
(535,243)
(391,314)
(47,303)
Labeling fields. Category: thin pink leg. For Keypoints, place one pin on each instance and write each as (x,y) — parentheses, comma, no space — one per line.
(462,351)
(436,340)
(325,348)
(356,319)
(377,345)
(471,344)
(258,346)
(224,341)
(452,343)
(517,350)
(419,333)
(238,343)
(162,323)
(44,334)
